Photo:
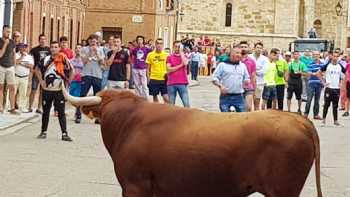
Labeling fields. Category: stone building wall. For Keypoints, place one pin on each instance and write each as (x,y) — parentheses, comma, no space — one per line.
(273,21)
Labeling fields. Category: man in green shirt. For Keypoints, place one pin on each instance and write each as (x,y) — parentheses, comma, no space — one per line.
(296,70)
(269,92)
(281,76)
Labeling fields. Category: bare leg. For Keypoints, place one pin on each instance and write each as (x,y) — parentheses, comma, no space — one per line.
(249,103)
(1,97)
(155,99)
(12,96)
(166,98)
(256,104)
(289,104)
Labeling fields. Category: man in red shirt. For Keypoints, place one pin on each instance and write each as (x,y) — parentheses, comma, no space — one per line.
(65,48)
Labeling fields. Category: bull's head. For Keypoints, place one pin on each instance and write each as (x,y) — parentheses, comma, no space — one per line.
(92,105)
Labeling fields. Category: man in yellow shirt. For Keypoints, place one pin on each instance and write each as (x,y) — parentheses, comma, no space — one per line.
(157,70)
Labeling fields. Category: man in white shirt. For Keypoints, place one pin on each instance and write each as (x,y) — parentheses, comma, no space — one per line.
(261,64)
(333,73)
(24,64)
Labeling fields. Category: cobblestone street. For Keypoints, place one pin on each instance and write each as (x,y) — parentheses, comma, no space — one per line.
(48,168)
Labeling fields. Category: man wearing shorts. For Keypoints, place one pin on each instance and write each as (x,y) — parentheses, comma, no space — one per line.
(270,92)
(7,68)
(157,70)
(249,89)
(39,53)
(261,64)
(295,84)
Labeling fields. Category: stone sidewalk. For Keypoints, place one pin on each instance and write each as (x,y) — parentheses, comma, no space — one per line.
(11,123)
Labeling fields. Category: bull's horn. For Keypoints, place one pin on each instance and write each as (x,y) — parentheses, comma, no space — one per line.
(81,101)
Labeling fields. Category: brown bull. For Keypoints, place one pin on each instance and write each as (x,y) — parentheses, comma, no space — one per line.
(166,151)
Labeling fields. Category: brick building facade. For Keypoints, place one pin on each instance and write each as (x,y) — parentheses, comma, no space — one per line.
(54,18)
(150,18)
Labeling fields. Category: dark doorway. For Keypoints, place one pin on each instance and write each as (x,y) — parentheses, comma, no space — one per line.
(112,31)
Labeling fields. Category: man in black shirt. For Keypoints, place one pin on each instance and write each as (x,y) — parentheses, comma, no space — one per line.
(7,68)
(39,53)
(119,73)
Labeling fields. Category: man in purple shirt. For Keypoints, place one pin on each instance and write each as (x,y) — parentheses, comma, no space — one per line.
(249,89)
(139,71)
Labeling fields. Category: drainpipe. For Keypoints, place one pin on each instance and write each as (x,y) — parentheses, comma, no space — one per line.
(8,12)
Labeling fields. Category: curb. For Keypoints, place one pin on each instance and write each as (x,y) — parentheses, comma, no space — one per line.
(16,123)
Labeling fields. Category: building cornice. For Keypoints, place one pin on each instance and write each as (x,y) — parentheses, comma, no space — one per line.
(239,34)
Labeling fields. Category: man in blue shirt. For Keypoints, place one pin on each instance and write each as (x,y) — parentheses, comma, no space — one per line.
(230,77)
(314,86)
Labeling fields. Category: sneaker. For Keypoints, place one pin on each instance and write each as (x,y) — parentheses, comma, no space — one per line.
(77,121)
(97,121)
(346,114)
(318,117)
(42,135)
(342,109)
(336,123)
(66,138)
(299,112)
(30,110)
(14,112)
(38,111)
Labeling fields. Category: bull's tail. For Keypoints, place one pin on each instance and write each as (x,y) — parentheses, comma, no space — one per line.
(316,140)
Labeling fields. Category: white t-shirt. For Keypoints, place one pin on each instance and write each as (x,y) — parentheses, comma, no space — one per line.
(334,74)
(262,63)
(20,70)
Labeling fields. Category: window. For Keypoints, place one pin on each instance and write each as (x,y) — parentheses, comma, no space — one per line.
(228,15)
(51,30)
(169,4)
(161,4)
(78,35)
(58,28)
(71,33)
(43,25)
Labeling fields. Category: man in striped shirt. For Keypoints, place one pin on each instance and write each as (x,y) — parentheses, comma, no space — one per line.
(314,86)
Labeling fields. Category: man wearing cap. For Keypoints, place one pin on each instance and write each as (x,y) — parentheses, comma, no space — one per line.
(24,64)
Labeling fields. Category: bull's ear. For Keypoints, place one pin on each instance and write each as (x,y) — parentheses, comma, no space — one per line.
(92,111)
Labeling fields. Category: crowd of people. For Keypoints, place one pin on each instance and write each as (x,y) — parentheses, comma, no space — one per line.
(248,78)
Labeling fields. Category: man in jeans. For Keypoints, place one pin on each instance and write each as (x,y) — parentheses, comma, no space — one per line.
(230,77)
(118,64)
(139,70)
(7,68)
(333,75)
(177,77)
(93,60)
(195,61)
(314,86)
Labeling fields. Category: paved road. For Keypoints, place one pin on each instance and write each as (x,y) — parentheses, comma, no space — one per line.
(40,168)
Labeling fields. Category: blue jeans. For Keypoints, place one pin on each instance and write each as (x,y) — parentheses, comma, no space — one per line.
(104,82)
(233,100)
(313,90)
(194,70)
(88,82)
(183,93)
